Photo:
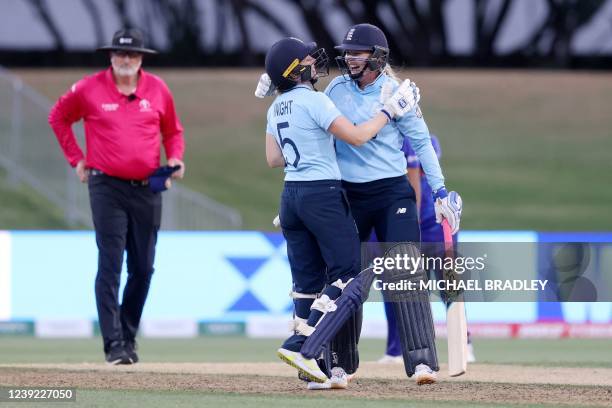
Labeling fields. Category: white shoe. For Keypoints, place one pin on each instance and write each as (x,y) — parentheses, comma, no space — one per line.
(338,381)
(308,367)
(424,375)
(471,357)
(389,359)
(319,386)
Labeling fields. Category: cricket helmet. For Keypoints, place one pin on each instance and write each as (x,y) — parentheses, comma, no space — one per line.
(363,37)
(283,62)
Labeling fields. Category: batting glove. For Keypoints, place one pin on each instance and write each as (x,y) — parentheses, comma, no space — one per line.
(402,101)
(386,90)
(448,206)
(265,87)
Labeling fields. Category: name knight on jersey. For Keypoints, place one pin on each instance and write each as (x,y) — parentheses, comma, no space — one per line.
(283,108)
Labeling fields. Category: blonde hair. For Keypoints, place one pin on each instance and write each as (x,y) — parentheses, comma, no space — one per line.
(388,71)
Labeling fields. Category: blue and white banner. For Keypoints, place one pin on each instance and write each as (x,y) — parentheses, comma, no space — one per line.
(5,275)
(228,276)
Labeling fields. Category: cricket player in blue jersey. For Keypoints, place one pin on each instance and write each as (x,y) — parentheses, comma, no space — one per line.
(374,177)
(431,232)
(322,239)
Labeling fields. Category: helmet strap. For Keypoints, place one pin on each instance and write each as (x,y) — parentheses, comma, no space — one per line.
(359,75)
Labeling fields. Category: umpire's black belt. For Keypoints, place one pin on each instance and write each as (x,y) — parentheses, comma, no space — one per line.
(135,183)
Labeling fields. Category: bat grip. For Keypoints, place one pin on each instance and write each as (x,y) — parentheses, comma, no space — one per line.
(448,237)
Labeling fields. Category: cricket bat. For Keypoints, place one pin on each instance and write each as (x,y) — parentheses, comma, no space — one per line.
(456,324)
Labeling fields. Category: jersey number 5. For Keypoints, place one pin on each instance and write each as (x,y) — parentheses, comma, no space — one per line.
(287,141)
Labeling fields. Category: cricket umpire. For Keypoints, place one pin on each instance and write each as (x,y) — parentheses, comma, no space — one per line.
(124,109)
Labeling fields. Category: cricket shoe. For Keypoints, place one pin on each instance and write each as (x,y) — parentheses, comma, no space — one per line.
(471,357)
(389,359)
(130,348)
(424,375)
(117,355)
(319,386)
(308,367)
(338,381)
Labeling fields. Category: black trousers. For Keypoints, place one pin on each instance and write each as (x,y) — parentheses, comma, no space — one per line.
(126,219)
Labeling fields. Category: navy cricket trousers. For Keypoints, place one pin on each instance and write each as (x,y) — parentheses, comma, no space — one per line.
(322,240)
(388,206)
(126,219)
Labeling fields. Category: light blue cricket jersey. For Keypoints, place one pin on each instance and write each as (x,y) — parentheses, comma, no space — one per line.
(298,119)
(382,156)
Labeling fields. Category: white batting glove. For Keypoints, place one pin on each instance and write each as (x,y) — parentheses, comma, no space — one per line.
(448,206)
(276,221)
(386,91)
(402,101)
(265,87)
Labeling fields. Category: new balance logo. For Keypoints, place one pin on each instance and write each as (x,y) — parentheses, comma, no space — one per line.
(401,211)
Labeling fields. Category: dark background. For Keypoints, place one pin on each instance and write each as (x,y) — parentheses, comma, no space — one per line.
(418,31)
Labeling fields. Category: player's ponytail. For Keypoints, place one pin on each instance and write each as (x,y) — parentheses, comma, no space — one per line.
(390,72)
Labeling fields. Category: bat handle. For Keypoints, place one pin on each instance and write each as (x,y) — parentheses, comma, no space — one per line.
(448,236)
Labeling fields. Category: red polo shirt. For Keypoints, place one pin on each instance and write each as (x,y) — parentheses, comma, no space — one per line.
(122,133)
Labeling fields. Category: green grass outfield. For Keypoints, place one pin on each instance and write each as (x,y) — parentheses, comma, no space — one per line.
(526,149)
(559,353)
(565,352)
(24,208)
(155,399)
